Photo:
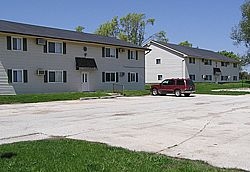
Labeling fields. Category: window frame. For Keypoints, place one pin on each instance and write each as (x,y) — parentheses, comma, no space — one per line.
(133,75)
(109,50)
(55,76)
(55,43)
(12,43)
(191,60)
(235,65)
(158,61)
(110,73)
(207,62)
(13,70)
(192,77)
(159,77)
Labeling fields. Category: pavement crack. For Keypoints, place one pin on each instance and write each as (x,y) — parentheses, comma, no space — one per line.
(24,135)
(189,138)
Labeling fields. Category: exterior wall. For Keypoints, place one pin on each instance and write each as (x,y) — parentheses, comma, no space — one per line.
(35,58)
(172,66)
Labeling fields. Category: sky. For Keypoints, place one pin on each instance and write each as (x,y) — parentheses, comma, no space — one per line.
(206,24)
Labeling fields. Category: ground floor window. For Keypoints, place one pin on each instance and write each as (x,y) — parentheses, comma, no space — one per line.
(235,78)
(55,76)
(159,77)
(17,76)
(224,78)
(110,77)
(133,77)
(192,77)
(207,77)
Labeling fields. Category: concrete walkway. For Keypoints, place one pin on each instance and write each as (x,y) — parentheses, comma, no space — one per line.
(211,128)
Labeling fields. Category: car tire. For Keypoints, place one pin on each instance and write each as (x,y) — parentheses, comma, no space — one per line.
(187,94)
(177,93)
(155,92)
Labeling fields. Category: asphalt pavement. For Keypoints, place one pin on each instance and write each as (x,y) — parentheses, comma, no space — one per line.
(215,129)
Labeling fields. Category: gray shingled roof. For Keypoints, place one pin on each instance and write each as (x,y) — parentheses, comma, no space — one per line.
(41,31)
(196,52)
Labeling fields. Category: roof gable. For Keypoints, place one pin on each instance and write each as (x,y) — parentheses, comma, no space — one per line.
(47,32)
(192,52)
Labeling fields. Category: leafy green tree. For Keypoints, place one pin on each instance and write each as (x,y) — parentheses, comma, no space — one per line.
(186,43)
(130,28)
(110,28)
(79,28)
(161,36)
(230,54)
(241,33)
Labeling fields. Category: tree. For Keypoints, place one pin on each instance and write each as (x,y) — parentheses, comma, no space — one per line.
(110,28)
(130,28)
(186,43)
(230,54)
(241,32)
(161,36)
(79,28)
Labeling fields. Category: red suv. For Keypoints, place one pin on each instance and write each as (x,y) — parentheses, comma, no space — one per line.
(176,86)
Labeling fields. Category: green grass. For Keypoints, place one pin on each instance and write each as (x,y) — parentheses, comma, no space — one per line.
(206,88)
(74,156)
(34,98)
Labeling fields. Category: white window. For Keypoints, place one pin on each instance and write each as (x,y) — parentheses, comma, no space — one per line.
(55,76)
(55,47)
(158,61)
(192,77)
(132,55)
(225,64)
(110,76)
(191,60)
(17,75)
(110,52)
(132,77)
(159,77)
(207,62)
(207,77)
(16,43)
(224,78)
(235,65)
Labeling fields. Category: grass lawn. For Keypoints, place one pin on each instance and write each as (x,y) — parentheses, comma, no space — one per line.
(74,155)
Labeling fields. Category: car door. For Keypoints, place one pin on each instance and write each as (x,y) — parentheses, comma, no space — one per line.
(167,86)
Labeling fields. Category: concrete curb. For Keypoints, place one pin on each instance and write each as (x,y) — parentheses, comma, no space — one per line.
(112,96)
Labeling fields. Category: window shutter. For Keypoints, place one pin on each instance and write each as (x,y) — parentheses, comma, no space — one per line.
(64,47)
(103,51)
(128,54)
(45,47)
(136,55)
(25,76)
(9,75)
(137,77)
(117,52)
(46,77)
(64,76)
(103,76)
(117,77)
(8,43)
(24,44)
(128,77)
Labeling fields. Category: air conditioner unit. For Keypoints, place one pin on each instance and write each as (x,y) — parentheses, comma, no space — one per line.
(122,74)
(40,72)
(203,76)
(40,41)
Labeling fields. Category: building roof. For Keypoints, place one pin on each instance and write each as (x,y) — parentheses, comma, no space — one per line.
(47,32)
(185,51)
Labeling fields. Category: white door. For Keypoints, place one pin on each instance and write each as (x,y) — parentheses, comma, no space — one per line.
(85,81)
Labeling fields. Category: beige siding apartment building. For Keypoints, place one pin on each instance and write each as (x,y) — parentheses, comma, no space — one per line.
(174,61)
(36,59)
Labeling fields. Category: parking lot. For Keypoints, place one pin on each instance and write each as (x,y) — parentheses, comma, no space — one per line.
(215,129)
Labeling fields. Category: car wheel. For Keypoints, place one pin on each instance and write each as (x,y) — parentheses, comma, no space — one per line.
(154,92)
(177,93)
(187,94)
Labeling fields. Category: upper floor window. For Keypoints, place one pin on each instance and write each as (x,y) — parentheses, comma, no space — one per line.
(225,64)
(55,47)
(109,52)
(192,60)
(16,43)
(132,54)
(207,62)
(158,61)
(235,65)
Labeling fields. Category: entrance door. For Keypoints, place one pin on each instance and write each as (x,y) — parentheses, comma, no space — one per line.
(85,81)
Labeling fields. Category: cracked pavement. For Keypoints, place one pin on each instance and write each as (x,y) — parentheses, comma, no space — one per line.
(215,129)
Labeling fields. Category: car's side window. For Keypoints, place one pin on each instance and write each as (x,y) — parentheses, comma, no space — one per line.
(165,82)
(171,82)
(180,82)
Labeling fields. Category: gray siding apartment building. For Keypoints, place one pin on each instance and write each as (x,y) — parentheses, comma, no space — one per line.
(37,59)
